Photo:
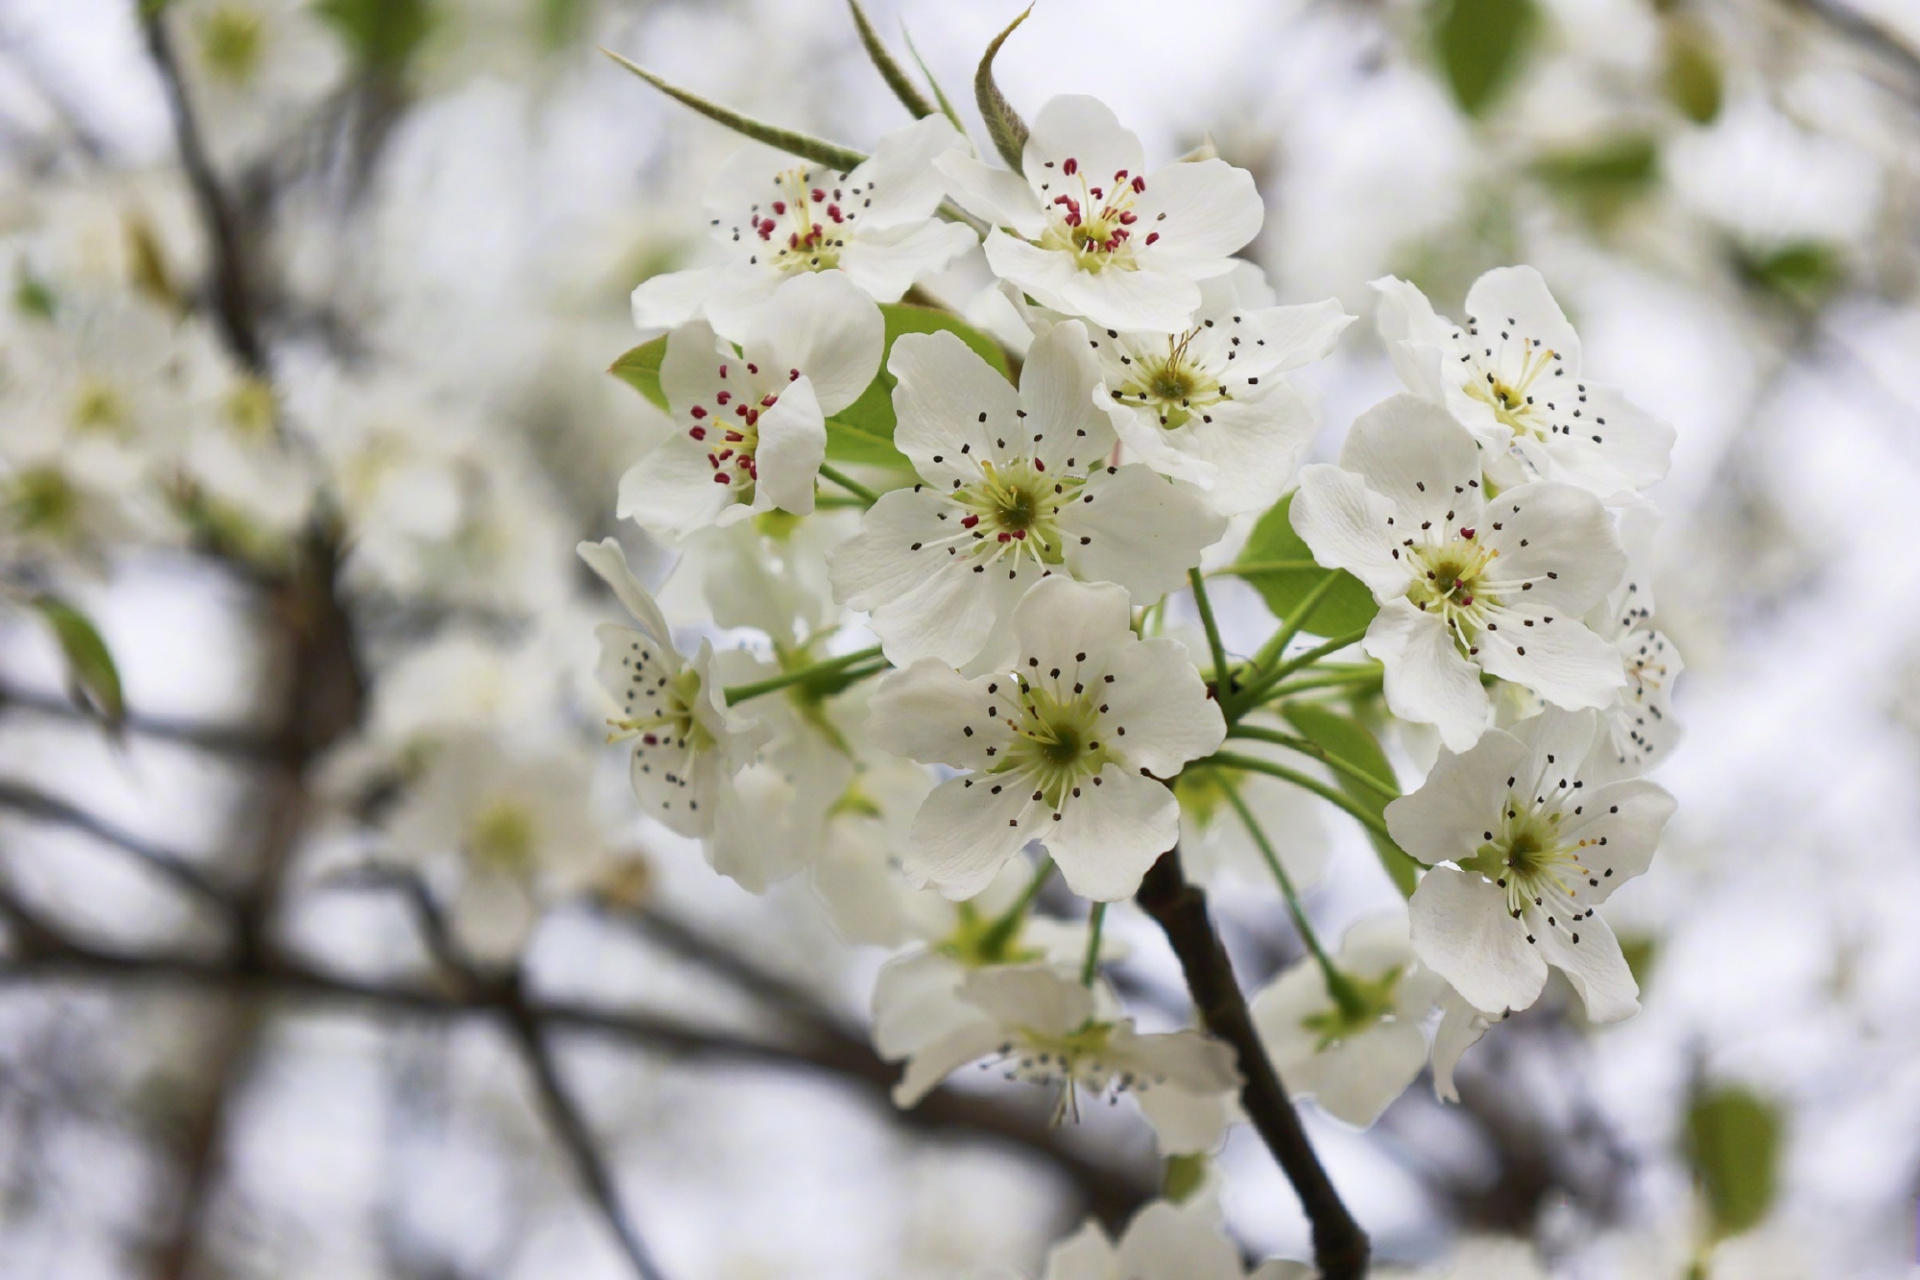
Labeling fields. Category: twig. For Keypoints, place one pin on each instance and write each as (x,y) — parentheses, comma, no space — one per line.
(1870,34)
(246,743)
(1340,1247)
(31,802)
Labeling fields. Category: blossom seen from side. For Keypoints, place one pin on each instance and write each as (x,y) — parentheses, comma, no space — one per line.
(1166,1240)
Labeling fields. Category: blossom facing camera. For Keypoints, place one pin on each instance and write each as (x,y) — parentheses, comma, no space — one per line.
(1088,232)
(1531,837)
(1067,746)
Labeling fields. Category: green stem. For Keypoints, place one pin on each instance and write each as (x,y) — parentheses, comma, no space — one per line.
(1337,984)
(1303,611)
(1259,692)
(1358,677)
(1254,764)
(1306,747)
(738,693)
(848,483)
(1090,967)
(994,941)
(1247,568)
(1221,675)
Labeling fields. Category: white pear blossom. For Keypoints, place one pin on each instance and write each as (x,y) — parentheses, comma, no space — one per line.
(1164,1241)
(1532,837)
(1511,373)
(1640,722)
(1460,1028)
(1085,230)
(1040,1025)
(1210,404)
(519,831)
(687,745)
(1466,583)
(751,422)
(772,217)
(1066,747)
(1015,488)
(1352,1057)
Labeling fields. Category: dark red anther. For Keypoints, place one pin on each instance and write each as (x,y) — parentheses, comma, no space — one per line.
(1004,536)
(833,211)
(723,397)
(969,522)
(779,206)
(698,411)
(753,368)
(793,375)
(721,477)
(768,401)
(1021,534)
(1119,175)
(818,194)
(698,433)
(1152,236)
(652,740)
(1070,167)
(1039,464)
(1097,194)
(1466,533)
(733,437)
(793,240)
(1128,218)
(723,371)
(1139,184)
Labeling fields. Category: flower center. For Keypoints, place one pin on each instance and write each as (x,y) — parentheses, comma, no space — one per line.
(1174,386)
(1369,1001)
(1096,226)
(1081,1059)
(99,407)
(808,225)
(731,427)
(1056,745)
(1526,855)
(1452,579)
(40,500)
(674,723)
(250,408)
(1013,511)
(501,838)
(231,40)
(1510,395)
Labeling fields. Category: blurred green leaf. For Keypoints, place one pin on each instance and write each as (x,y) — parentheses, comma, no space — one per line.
(1601,178)
(1348,607)
(1004,125)
(90,666)
(560,23)
(640,369)
(1639,950)
(1692,75)
(1733,1144)
(383,35)
(1184,1176)
(31,296)
(1480,44)
(1353,742)
(862,433)
(818,150)
(1806,272)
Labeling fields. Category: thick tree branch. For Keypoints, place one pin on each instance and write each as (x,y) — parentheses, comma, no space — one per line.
(1340,1247)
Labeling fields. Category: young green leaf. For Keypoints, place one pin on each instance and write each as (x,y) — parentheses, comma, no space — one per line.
(939,94)
(890,71)
(1346,738)
(807,147)
(90,667)
(640,369)
(862,433)
(1480,44)
(382,34)
(1004,125)
(1733,1144)
(1273,543)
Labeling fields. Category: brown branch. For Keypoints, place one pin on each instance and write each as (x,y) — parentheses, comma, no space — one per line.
(31,802)
(241,741)
(1340,1247)
(1869,34)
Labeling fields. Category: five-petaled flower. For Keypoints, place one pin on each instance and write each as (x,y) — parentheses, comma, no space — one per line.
(1533,836)
(1511,373)
(1089,233)
(1466,582)
(1067,747)
(1016,487)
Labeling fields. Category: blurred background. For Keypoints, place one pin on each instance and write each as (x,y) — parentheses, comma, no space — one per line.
(302,412)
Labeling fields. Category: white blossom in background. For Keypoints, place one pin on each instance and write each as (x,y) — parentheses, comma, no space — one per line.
(750,422)
(1512,375)
(687,745)
(1527,833)
(1085,230)
(1353,1060)
(504,833)
(1065,747)
(257,68)
(1164,1241)
(1465,583)
(1039,1025)
(1641,722)
(1015,487)
(772,217)
(1216,849)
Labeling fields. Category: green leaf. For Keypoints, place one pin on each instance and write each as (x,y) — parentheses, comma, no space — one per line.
(1805,272)
(1733,1143)
(1348,607)
(1692,75)
(818,150)
(1343,736)
(640,369)
(890,71)
(383,35)
(90,668)
(1603,177)
(1184,1176)
(1480,44)
(1004,125)
(862,433)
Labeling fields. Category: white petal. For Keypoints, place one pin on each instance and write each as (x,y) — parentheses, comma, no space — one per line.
(1151,445)
(964,833)
(1058,385)
(823,325)
(1211,211)
(1030,996)
(1517,299)
(1085,130)
(607,560)
(916,1001)
(902,184)
(1060,616)
(1419,458)
(1283,338)
(1416,339)
(1252,447)
(492,917)
(733,304)
(1446,819)
(1111,833)
(1426,678)
(1461,930)
(1344,523)
(1159,300)
(1158,697)
(1630,816)
(943,1057)
(1140,530)
(1357,1080)
(944,389)
(924,712)
(1595,967)
(672,490)
(1186,1123)
(1085,1255)
(996,195)
(1461,1027)
(1560,660)
(793,444)
(886,263)
(690,370)
(672,298)
(1173,1242)
(1554,528)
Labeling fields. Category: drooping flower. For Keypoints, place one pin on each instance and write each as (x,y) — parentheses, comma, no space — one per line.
(1533,838)
(1088,232)
(687,745)
(1511,373)
(1063,747)
(1357,1052)
(1015,488)
(751,422)
(1466,583)
(772,217)
(1042,1026)
(1164,1241)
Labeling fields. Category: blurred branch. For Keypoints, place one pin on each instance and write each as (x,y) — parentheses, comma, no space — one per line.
(1340,1247)
(31,802)
(1869,34)
(236,740)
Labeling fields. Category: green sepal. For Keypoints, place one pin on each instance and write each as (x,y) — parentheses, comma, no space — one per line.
(1184,1175)
(91,673)
(807,147)
(890,71)
(1349,606)
(640,369)
(1345,737)
(1004,125)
